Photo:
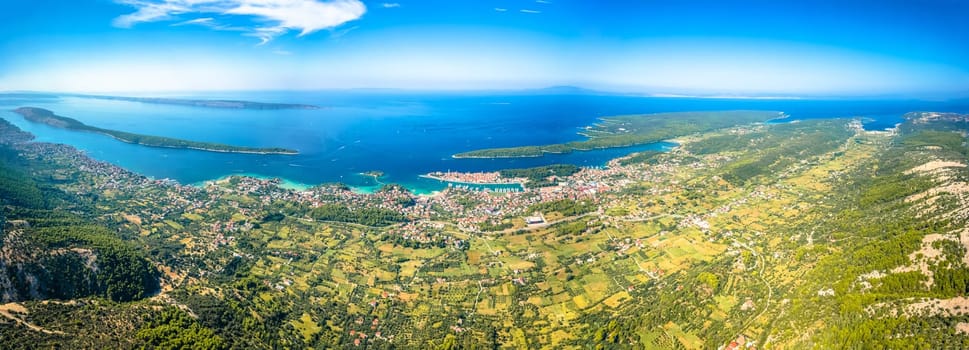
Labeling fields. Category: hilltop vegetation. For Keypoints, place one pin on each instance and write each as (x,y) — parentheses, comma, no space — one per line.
(51,253)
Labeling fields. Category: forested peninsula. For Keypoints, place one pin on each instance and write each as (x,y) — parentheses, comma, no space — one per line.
(40,115)
(633,130)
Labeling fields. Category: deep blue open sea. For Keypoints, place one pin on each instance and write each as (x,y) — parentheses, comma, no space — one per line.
(402,134)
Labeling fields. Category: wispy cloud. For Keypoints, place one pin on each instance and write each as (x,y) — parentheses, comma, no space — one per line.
(269,18)
(205,21)
(543,1)
(339,33)
(210,22)
(530,11)
(390,5)
(499,9)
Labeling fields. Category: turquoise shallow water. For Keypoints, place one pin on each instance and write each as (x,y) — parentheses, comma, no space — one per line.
(403,135)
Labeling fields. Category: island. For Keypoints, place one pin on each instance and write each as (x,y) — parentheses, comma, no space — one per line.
(373,173)
(633,130)
(43,116)
(231,104)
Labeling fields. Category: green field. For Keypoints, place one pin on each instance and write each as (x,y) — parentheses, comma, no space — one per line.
(807,235)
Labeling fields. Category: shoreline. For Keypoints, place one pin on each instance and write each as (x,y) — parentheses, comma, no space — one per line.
(286,183)
(415,185)
(51,119)
(622,131)
(544,153)
(283,182)
(293,153)
(459,156)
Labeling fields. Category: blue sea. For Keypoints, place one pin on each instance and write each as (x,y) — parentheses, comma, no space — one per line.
(403,134)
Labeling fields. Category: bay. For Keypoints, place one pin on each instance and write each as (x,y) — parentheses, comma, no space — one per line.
(402,134)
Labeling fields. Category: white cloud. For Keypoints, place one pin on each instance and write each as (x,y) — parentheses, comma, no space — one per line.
(530,11)
(390,5)
(211,23)
(499,9)
(271,18)
(146,12)
(205,21)
(543,2)
(265,34)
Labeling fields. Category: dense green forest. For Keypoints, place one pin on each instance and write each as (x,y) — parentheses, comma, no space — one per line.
(53,253)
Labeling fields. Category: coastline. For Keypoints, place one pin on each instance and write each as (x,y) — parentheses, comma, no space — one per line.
(632,130)
(286,183)
(49,118)
(196,148)
(459,156)
(418,184)
(283,182)
(544,153)
(783,118)
(299,186)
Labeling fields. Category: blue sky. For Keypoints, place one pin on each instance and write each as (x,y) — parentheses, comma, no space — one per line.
(709,47)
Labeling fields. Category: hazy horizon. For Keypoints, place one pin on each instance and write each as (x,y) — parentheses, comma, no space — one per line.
(546,90)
